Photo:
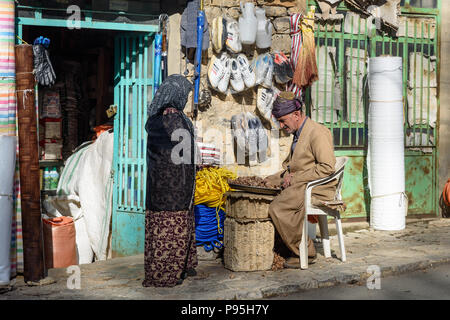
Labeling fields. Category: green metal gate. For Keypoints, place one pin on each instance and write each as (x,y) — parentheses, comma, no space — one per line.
(133,90)
(339,99)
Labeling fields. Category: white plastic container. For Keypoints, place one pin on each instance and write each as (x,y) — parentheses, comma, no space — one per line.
(264,30)
(385,158)
(248,23)
(7,168)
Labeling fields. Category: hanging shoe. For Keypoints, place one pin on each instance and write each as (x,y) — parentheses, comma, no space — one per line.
(216,70)
(217,33)
(246,70)
(261,66)
(274,121)
(224,34)
(282,69)
(269,75)
(223,83)
(264,102)
(233,42)
(214,42)
(236,77)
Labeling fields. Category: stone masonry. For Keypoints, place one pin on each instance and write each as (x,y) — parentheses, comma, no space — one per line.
(214,122)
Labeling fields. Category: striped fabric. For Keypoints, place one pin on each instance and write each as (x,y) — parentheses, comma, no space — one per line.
(8,123)
(7,69)
(7,106)
(296,45)
(7,61)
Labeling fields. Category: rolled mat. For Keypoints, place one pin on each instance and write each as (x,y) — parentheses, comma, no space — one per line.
(7,168)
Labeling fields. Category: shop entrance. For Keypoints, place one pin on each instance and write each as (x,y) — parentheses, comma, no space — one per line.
(83,61)
(113,62)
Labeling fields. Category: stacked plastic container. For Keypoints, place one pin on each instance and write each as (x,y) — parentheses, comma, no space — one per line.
(386,164)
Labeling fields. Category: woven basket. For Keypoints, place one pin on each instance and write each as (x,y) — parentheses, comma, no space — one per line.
(248,232)
(248,245)
(245,205)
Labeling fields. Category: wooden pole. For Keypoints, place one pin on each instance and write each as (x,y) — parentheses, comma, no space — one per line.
(33,248)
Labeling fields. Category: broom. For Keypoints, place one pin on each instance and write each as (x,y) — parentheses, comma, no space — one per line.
(296,47)
(306,69)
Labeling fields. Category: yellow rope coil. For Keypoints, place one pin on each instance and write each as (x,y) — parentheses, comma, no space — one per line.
(211,184)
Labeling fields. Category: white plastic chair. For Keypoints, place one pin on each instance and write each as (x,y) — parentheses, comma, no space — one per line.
(323,212)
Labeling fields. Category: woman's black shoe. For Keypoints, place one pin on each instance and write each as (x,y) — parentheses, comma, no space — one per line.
(191,272)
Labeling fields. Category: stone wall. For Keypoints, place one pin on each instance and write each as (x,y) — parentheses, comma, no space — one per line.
(214,121)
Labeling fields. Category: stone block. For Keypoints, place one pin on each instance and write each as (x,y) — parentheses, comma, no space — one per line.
(211,13)
(225,3)
(281,3)
(281,42)
(281,25)
(272,11)
(234,12)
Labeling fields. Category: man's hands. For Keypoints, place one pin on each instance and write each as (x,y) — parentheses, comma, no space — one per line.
(287,180)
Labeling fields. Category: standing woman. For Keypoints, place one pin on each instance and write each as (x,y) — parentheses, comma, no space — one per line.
(170,253)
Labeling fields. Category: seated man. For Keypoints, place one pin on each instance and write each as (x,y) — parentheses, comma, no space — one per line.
(311,157)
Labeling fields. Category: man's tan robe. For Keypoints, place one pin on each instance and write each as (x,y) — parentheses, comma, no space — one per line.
(313,158)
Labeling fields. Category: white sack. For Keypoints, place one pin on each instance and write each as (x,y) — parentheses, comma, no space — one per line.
(85,193)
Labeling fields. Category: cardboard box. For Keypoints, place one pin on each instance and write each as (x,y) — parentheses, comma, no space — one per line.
(53,128)
(52,149)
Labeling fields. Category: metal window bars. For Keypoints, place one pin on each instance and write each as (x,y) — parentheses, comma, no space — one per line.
(339,99)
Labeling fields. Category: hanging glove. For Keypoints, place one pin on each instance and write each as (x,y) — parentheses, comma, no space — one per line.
(43,70)
(41,40)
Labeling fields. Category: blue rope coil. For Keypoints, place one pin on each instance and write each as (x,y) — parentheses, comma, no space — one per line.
(209,226)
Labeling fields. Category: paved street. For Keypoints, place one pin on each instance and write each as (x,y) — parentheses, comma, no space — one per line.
(429,284)
(421,245)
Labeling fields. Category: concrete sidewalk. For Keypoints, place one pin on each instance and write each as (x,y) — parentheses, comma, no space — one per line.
(422,244)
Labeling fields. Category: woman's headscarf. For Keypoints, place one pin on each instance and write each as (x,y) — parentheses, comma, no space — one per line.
(173,92)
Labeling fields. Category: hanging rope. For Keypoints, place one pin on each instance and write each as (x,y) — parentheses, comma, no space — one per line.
(210,188)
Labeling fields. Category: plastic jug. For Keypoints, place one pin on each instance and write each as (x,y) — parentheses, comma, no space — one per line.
(264,29)
(248,23)
(60,249)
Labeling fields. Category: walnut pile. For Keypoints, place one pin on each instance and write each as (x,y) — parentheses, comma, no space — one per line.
(278,262)
(252,181)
